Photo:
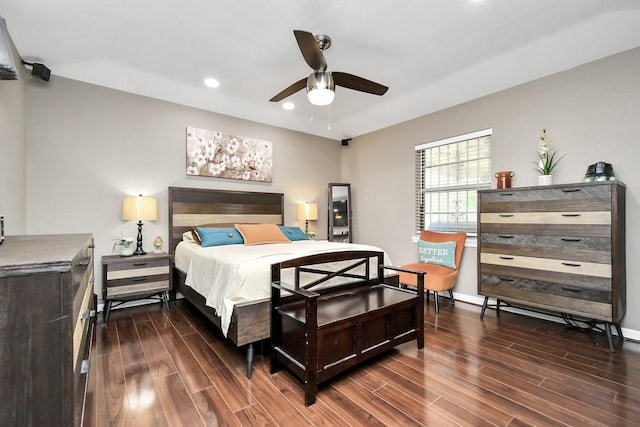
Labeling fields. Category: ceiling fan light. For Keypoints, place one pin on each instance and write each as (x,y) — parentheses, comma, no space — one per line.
(321,96)
(320,88)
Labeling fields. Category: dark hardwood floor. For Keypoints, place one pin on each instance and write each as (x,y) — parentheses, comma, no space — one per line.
(152,368)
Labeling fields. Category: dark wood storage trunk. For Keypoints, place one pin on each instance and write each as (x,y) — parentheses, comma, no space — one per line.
(559,248)
(319,332)
(46,310)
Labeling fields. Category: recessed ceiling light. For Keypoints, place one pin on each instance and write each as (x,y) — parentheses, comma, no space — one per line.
(210,82)
(288,106)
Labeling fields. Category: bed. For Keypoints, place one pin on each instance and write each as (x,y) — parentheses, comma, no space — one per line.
(247,321)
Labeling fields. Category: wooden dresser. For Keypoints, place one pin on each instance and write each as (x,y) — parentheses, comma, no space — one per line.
(47,307)
(557,248)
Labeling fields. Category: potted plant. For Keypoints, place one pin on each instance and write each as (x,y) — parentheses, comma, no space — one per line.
(546,161)
(126,245)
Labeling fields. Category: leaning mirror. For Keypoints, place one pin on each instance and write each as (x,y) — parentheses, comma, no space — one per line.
(339,213)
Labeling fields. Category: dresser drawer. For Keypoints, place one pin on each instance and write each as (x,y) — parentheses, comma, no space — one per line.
(568,266)
(138,268)
(590,302)
(580,194)
(545,218)
(492,240)
(571,248)
(130,288)
(87,312)
(568,230)
(82,276)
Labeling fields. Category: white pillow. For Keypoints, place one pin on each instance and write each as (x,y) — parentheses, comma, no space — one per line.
(188,237)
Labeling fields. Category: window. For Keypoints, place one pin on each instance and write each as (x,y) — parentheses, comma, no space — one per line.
(448,174)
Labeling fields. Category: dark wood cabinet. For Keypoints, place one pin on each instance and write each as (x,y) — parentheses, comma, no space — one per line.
(558,248)
(47,307)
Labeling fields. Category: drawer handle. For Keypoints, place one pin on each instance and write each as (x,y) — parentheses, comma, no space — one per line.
(506,279)
(504,236)
(506,215)
(577,291)
(84,367)
(570,190)
(571,214)
(139,264)
(506,194)
(570,264)
(566,239)
(88,313)
(138,279)
(506,257)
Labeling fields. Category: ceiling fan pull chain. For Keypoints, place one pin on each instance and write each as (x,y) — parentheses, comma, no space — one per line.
(312,110)
(329,127)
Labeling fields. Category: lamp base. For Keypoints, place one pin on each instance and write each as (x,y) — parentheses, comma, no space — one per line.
(139,250)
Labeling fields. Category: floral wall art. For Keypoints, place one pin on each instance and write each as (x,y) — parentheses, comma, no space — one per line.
(220,155)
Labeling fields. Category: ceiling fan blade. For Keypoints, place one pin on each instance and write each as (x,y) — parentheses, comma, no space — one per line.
(310,50)
(299,85)
(358,83)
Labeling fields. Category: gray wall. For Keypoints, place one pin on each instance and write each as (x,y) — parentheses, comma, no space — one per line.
(13,174)
(591,114)
(88,146)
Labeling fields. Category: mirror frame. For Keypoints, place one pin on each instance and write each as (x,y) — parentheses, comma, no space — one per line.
(331,229)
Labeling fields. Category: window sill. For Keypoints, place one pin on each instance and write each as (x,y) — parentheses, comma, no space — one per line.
(471,242)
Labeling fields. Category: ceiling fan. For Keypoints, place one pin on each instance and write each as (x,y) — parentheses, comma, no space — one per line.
(321,83)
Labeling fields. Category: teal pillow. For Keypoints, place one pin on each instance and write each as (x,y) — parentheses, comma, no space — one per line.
(437,253)
(218,236)
(293,233)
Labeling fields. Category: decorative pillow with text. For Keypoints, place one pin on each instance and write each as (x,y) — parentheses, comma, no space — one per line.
(437,253)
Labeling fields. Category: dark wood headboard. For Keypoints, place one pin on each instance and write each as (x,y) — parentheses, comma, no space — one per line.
(190,207)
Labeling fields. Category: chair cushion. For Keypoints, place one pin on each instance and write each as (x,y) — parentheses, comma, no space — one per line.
(441,253)
(438,278)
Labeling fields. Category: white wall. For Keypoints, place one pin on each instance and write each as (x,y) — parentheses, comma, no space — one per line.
(88,146)
(13,175)
(591,114)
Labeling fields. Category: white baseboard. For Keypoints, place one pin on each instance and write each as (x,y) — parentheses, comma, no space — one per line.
(474,300)
(630,334)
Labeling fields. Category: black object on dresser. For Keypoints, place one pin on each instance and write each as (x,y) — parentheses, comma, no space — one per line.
(557,248)
(47,311)
(135,277)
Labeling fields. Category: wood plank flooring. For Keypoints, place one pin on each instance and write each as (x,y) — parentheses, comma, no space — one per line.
(153,368)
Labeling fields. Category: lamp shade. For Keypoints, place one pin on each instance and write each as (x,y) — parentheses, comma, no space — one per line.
(307,211)
(320,88)
(138,208)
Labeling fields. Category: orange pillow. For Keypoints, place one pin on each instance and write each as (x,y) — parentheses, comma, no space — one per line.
(256,234)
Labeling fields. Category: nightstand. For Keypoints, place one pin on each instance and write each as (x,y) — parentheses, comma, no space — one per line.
(136,277)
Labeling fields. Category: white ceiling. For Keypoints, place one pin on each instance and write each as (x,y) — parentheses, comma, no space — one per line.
(431,53)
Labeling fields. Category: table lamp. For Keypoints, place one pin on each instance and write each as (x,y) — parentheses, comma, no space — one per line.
(139,209)
(307,212)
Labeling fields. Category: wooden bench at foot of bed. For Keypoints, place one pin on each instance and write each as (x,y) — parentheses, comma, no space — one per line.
(317,333)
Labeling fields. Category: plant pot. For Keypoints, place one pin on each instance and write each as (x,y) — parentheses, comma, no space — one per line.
(545,179)
(126,251)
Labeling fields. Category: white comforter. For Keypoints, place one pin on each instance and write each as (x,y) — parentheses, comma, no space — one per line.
(226,275)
